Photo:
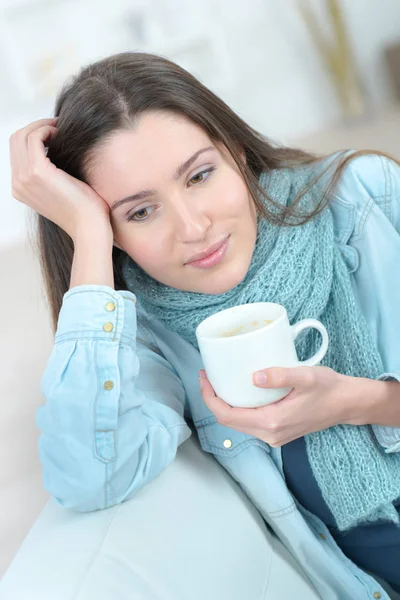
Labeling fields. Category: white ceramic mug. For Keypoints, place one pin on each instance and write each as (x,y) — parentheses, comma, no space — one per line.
(236,342)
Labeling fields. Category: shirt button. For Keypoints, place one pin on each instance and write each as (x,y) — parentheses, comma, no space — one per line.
(322,536)
(377,595)
(110,306)
(108,327)
(227,443)
(108,385)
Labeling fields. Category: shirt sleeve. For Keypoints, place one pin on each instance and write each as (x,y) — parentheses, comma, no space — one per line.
(392,171)
(389,437)
(113,415)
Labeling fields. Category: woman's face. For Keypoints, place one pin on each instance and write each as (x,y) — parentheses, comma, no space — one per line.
(185,209)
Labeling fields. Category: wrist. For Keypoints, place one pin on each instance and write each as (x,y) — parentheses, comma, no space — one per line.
(93,231)
(93,262)
(385,410)
(366,401)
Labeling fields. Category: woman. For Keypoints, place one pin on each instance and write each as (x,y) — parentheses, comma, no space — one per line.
(147,172)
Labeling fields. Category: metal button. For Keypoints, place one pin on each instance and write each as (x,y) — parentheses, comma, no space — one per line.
(322,536)
(108,385)
(377,595)
(227,443)
(110,306)
(108,327)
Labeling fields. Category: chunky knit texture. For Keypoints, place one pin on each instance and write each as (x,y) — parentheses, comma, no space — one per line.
(302,269)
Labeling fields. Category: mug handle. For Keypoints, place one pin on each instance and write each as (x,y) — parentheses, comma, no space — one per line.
(319,355)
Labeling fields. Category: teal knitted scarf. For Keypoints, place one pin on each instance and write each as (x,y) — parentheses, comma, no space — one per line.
(302,269)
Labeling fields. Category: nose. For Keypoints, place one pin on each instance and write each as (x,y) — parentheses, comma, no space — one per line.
(190,222)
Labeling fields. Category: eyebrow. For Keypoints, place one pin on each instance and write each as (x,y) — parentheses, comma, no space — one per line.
(178,173)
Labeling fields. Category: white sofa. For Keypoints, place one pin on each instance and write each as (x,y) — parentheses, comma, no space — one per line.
(191,534)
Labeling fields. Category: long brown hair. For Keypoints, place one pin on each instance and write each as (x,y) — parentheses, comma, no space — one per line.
(110,95)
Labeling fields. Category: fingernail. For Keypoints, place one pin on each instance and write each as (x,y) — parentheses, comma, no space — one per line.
(202,375)
(260,377)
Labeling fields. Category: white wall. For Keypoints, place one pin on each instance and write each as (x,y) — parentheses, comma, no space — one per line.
(256,55)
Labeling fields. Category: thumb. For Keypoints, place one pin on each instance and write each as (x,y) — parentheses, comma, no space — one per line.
(278,377)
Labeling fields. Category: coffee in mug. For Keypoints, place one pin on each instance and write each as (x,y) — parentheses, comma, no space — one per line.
(246,328)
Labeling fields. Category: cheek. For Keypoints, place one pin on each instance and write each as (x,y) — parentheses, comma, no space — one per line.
(234,198)
(146,249)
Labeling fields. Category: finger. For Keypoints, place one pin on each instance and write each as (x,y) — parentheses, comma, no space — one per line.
(25,131)
(234,417)
(214,403)
(22,157)
(14,162)
(18,144)
(207,391)
(36,151)
(277,377)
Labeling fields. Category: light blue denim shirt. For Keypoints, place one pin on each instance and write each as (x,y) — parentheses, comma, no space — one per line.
(116,410)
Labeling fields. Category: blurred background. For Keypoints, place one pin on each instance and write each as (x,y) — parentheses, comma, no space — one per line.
(320,74)
(283,66)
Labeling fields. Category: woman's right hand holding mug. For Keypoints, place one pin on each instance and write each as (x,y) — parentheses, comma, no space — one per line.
(48,190)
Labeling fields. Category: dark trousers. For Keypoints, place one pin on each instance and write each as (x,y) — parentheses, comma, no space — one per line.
(373,547)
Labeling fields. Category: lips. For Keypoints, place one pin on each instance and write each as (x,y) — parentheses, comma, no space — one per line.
(208,252)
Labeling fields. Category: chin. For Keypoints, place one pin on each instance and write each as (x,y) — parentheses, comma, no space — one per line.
(224,282)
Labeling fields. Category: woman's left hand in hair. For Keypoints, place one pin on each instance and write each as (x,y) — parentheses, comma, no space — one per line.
(320,398)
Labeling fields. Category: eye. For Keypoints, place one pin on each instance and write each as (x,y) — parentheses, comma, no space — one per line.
(136,216)
(201,173)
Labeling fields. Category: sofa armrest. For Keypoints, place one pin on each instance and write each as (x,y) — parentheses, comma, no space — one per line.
(191,533)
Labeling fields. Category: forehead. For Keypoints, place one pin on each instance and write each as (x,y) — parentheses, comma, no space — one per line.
(144,157)
(156,141)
